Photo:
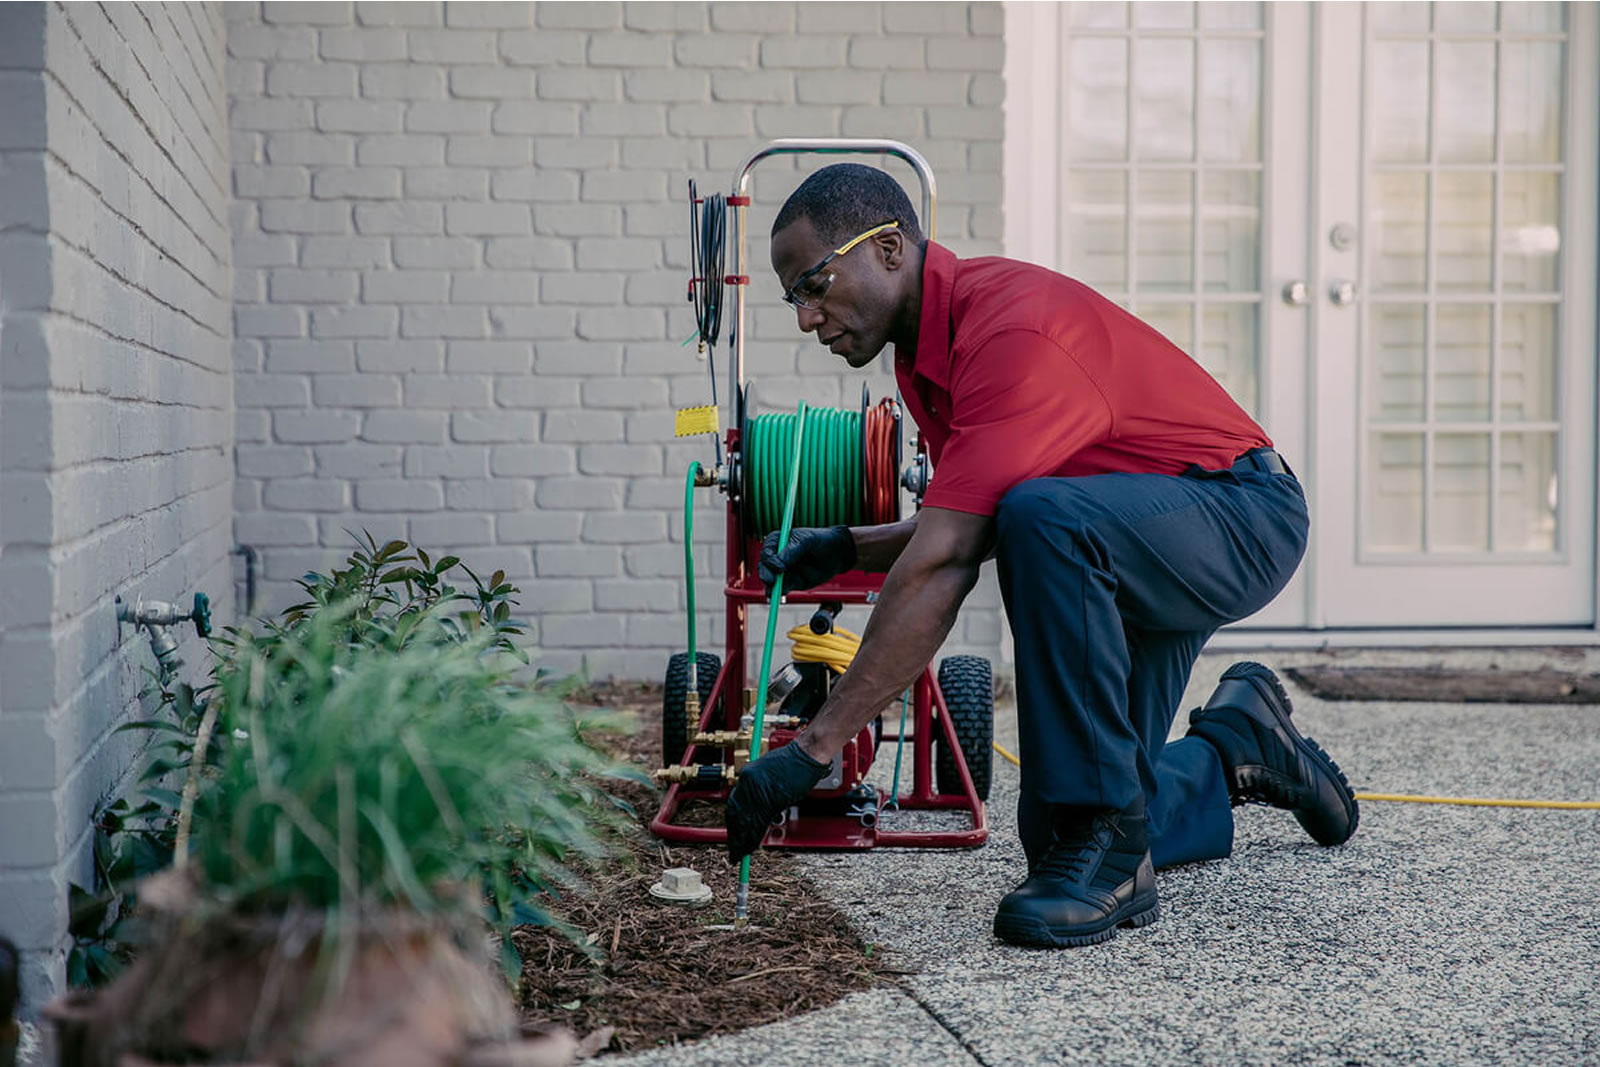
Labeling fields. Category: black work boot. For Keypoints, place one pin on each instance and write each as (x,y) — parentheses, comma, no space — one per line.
(1267,761)
(1095,876)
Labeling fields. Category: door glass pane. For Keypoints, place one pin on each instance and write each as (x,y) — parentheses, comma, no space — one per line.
(1165,231)
(1174,321)
(1461,363)
(1230,101)
(1164,99)
(1231,231)
(1228,348)
(1399,220)
(1464,206)
(1400,101)
(1225,15)
(1399,344)
(1163,15)
(1393,498)
(1408,16)
(1533,17)
(1530,235)
(1525,511)
(1098,108)
(1459,520)
(1530,102)
(1464,101)
(1463,16)
(1528,362)
(1097,227)
(1093,14)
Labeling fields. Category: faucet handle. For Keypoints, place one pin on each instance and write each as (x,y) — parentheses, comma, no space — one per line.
(202,615)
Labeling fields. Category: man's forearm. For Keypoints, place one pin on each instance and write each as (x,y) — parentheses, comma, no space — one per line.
(914,614)
(877,547)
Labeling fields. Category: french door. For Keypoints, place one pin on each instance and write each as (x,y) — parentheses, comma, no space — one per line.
(1375,225)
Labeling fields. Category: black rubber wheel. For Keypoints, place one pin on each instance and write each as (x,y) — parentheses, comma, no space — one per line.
(968,688)
(674,724)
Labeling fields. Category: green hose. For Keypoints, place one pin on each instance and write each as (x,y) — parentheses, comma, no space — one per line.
(688,565)
(830,492)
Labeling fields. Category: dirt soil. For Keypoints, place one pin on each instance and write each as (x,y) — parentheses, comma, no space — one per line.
(658,974)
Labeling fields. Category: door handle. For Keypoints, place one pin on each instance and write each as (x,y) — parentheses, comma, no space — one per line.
(1295,293)
(1342,293)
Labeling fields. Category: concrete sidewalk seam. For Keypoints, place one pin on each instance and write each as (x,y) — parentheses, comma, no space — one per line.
(933,1013)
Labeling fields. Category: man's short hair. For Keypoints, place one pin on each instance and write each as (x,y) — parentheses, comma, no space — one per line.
(845,199)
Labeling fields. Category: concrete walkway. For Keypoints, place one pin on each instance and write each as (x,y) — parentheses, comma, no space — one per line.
(1437,935)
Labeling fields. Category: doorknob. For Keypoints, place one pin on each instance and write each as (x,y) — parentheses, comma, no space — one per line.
(1295,293)
(1342,293)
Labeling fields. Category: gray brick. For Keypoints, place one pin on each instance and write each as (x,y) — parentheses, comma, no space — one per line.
(488,427)
(988,90)
(756,87)
(534,183)
(274,461)
(447,183)
(658,630)
(487,494)
(966,53)
(266,530)
(617,459)
(576,426)
(298,216)
(630,50)
(715,50)
(620,324)
(446,461)
(584,288)
(654,561)
(659,288)
(628,393)
(844,17)
(534,461)
(292,286)
(405,150)
(575,153)
(358,116)
(802,120)
(261,42)
(577,220)
(306,14)
(313,427)
(441,321)
(988,20)
(405,287)
(400,217)
(710,120)
(400,14)
(666,86)
(631,595)
(839,87)
(539,48)
(399,494)
(660,153)
(402,81)
(805,52)
(270,115)
(272,391)
(577,631)
(264,252)
(654,427)
(580,561)
(918,88)
(450,532)
(443,253)
(362,45)
(404,427)
(664,16)
(964,123)
(262,182)
(309,357)
(447,391)
(919,19)
(658,220)
(493,287)
(536,392)
(619,253)
(578,16)
(985,157)
(356,391)
(489,357)
(452,46)
(887,53)
(316,149)
(883,122)
(499,15)
(311,79)
(536,118)
(528,253)
(354,322)
(578,83)
(492,83)
(268,321)
(488,151)
(358,461)
(344,252)
(306,494)
(486,220)
(405,357)
(623,528)
(448,116)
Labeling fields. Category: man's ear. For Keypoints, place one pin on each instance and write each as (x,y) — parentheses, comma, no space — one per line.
(892,244)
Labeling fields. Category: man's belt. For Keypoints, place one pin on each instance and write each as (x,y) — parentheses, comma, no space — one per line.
(1265,460)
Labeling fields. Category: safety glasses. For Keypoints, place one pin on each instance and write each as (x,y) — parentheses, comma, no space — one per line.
(809,289)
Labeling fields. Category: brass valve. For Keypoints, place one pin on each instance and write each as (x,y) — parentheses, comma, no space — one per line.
(692,773)
(725,738)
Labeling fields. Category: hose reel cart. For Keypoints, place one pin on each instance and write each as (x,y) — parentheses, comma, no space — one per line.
(846,470)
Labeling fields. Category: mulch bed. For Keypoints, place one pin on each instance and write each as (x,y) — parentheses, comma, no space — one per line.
(654,971)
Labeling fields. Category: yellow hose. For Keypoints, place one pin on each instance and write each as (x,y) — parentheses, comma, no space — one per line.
(1477,802)
(836,649)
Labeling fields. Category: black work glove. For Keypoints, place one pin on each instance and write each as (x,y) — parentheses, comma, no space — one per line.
(766,788)
(814,555)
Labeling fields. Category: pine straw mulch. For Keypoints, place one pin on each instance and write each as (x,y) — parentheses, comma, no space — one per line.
(655,971)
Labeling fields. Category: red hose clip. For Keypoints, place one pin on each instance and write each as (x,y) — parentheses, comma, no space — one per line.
(737,279)
(738,201)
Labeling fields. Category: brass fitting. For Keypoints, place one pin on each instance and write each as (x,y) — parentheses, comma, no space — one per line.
(691,773)
(725,738)
(691,708)
(703,477)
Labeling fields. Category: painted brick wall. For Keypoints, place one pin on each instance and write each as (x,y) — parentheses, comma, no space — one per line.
(116,432)
(460,249)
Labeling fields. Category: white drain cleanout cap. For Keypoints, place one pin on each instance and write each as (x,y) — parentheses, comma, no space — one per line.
(681,885)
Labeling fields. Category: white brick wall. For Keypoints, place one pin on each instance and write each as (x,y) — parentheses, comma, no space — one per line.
(116,430)
(461,251)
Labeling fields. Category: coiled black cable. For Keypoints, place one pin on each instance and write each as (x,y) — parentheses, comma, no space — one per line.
(708,232)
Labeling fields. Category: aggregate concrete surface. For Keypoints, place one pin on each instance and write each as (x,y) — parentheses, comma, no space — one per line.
(1437,935)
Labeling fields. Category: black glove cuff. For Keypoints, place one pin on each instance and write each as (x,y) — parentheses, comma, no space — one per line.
(847,548)
(806,758)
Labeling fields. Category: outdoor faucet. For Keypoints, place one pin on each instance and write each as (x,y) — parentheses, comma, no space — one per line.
(155,616)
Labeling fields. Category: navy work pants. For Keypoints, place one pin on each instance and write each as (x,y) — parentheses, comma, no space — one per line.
(1112,584)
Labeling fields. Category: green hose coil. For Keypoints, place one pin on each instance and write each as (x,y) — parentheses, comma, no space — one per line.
(830,491)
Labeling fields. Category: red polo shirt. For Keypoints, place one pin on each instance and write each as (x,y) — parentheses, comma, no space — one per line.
(1023,373)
